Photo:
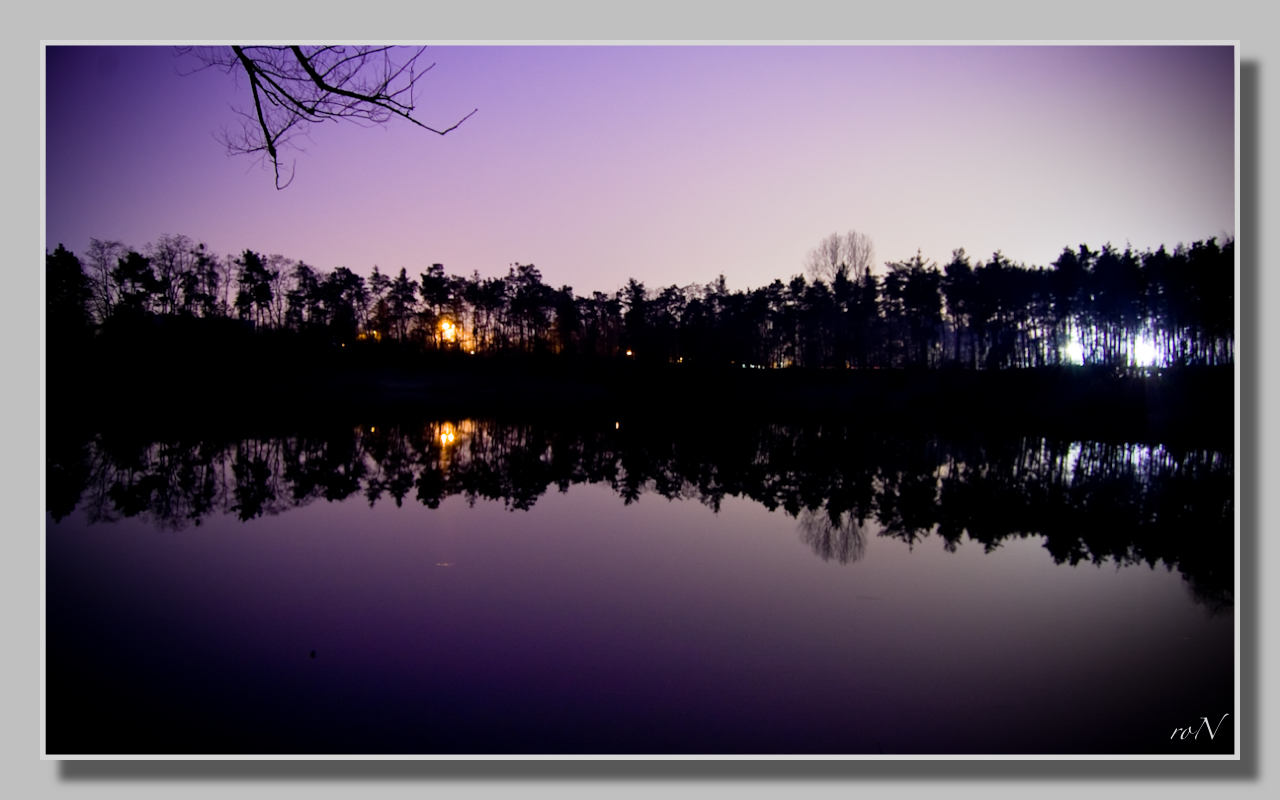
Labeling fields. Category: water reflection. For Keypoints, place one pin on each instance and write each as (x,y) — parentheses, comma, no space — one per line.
(1091,501)
(841,538)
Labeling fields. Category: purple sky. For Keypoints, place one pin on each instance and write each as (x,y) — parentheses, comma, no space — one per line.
(668,164)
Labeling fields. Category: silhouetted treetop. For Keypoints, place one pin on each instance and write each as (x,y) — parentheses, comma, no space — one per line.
(67,299)
(851,255)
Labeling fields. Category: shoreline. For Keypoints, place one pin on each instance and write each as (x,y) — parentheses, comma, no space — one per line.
(1195,405)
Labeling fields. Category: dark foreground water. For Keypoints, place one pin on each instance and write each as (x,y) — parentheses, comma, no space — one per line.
(617,586)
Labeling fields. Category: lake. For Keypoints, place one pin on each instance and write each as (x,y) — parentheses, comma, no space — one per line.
(663,585)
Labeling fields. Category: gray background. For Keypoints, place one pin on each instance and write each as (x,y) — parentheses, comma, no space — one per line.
(21,771)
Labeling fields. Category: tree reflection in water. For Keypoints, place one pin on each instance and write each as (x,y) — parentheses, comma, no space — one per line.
(1091,501)
(841,537)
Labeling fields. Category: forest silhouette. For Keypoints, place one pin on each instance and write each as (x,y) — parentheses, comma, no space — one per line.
(1118,308)
(1103,343)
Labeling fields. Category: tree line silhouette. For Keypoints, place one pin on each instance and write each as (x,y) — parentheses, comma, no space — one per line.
(1092,501)
(1120,308)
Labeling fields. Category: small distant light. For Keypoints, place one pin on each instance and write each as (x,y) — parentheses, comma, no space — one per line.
(372,429)
(617,425)
(628,352)
(451,437)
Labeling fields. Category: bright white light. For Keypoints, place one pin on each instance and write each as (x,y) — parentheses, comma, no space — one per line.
(1074,352)
(1144,352)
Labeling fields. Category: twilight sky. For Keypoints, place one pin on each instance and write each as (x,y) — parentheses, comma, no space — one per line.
(670,164)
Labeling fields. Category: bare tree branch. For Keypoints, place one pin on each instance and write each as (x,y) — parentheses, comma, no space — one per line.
(293,87)
(850,255)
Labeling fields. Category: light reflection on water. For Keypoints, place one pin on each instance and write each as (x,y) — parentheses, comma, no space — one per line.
(649,604)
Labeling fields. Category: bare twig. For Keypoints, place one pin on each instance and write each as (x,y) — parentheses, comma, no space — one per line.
(293,87)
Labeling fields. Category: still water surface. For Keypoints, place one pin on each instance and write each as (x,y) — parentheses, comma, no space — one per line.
(584,589)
